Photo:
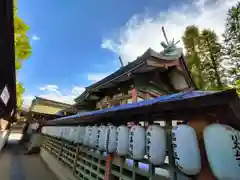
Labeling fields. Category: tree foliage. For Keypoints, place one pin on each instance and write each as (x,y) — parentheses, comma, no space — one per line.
(237,86)
(232,43)
(191,39)
(19,92)
(211,56)
(204,56)
(22,49)
(22,46)
(214,65)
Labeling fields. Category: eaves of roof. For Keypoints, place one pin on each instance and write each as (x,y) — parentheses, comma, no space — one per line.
(133,66)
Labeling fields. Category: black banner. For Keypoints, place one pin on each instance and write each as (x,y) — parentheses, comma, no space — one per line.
(7,61)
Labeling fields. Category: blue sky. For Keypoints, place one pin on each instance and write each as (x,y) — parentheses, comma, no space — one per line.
(75,43)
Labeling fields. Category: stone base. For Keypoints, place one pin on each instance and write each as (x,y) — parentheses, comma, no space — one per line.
(62,172)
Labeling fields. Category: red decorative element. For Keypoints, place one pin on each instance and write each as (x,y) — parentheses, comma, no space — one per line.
(134,99)
(108,164)
(134,95)
(130,124)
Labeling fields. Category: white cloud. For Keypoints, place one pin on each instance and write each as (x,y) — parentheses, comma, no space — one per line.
(76,90)
(35,38)
(27,101)
(50,88)
(94,77)
(143,31)
(69,99)
(53,92)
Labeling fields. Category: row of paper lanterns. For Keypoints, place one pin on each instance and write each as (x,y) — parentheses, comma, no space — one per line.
(222,144)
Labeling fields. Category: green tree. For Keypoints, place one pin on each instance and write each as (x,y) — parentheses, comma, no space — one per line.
(191,39)
(232,43)
(22,46)
(237,86)
(19,92)
(211,56)
(22,49)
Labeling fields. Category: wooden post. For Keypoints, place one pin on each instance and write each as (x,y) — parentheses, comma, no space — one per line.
(76,159)
(151,171)
(173,175)
(108,167)
(134,95)
(134,168)
(198,125)
(60,150)
(134,99)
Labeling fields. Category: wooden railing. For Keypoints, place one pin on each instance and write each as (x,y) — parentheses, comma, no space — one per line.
(89,164)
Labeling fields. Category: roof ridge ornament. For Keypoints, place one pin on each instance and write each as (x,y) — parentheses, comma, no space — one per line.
(171,51)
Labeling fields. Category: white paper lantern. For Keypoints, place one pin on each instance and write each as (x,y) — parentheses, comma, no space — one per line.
(73,134)
(62,132)
(66,133)
(53,132)
(93,137)
(111,139)
(88,132)
(58,132)
(80,134)
(186,149)
(122,140)
(222,145)
(137,142)
(156,144)
(101,137)
(43,130)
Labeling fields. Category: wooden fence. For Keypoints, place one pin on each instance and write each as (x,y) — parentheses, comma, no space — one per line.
(89,164)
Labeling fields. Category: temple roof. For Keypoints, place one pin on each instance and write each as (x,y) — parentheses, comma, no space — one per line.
(223,106)
(51,101)
(48,106)
(140,65)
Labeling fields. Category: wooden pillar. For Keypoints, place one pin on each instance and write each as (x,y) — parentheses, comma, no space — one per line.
(108,167)
(198,125)
(7,67)
(134,99)
(134,95)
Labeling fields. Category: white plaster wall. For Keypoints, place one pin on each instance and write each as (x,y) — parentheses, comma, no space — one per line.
(178,81)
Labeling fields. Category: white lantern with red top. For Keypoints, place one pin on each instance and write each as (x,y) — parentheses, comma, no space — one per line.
(222,144)
(122,140)
(137,142)
(156,144)
(186,149)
